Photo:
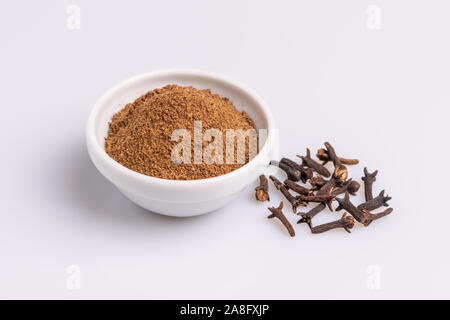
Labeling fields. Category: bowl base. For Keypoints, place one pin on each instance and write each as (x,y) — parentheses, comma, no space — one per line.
(175,209)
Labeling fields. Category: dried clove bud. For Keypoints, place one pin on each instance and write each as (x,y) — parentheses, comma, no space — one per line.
(327,188)
(289,197)
(340,171)
(306,173)
(262,191)
(278,213)
(332,154)
(360,215)
(322,154)
(340,174)
(375,203)
(346,222)
(307,161)
(317,182)
(291,185)
(307,217)
(292,173)
(351,186)
(369,179)
(326,198)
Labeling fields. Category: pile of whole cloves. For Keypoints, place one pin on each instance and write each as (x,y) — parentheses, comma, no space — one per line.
(324,188)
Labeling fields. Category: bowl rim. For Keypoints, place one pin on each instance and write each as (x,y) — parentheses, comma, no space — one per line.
(93,144)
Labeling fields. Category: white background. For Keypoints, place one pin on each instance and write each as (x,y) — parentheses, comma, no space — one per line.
(379,95)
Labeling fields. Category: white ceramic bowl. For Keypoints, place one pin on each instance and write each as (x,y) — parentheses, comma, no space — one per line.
(179,198)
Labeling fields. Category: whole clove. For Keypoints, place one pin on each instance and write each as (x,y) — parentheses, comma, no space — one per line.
(278,213)
(346,222)
(307,161)
(291,163)
(307,217)
(289,197)
(327,188)
(291,185)
(332,154)
(351,186)
(317,182)
(375,203)
(360,215)
(322,154)
(340,171)
(327,199)
(369,179)
(292,173)
(262,191)
(306,173)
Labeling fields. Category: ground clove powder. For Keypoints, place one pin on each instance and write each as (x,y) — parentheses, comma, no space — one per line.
(139,136)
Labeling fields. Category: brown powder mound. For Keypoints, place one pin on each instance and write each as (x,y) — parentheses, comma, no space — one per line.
(139,136)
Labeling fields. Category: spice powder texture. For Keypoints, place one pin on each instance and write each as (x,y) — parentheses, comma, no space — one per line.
(139,136)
